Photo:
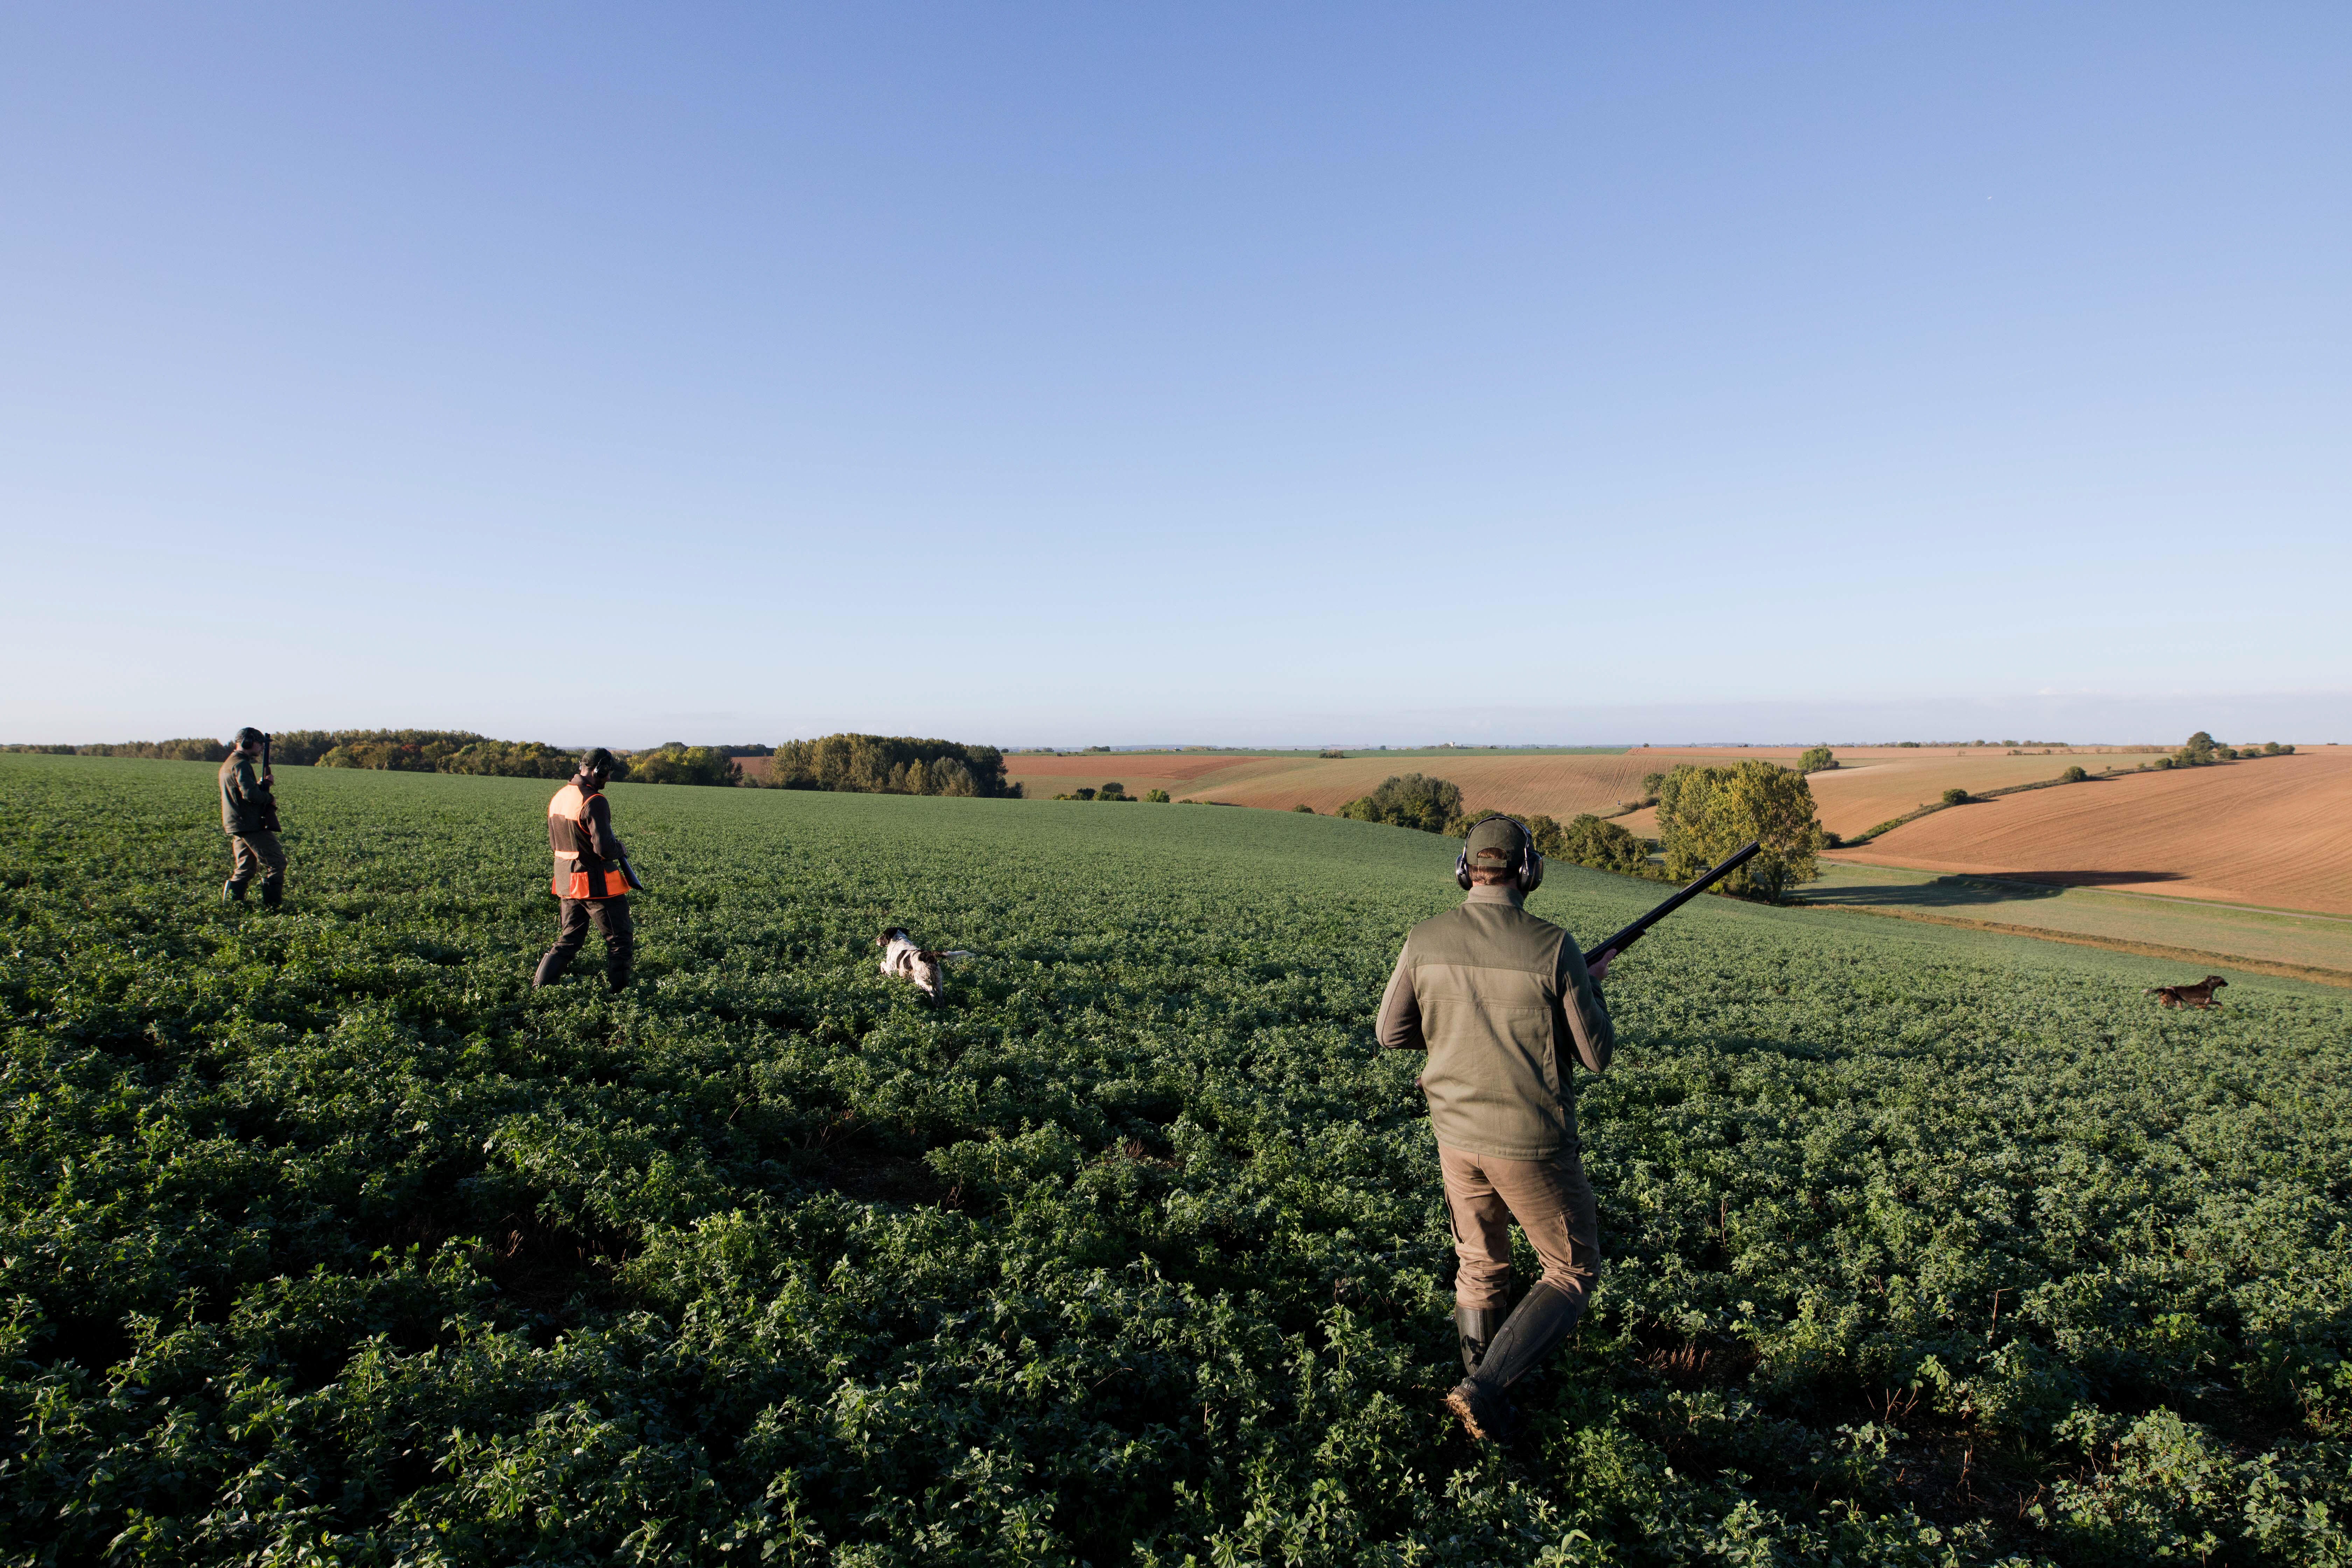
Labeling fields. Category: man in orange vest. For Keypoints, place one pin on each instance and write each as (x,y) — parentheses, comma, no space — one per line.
(592,875)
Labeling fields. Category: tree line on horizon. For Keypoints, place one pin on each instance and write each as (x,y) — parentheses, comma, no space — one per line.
(1703,814)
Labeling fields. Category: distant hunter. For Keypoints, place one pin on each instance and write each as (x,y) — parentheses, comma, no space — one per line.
(592,879)
(1499,999)
(249,817)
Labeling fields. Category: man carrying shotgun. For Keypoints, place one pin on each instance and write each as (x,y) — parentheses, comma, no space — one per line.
(593,878)
(1497,997)
(1492,992)
(249,817)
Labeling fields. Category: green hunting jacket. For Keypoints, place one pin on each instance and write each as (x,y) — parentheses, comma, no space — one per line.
(1492,995)
(245,799)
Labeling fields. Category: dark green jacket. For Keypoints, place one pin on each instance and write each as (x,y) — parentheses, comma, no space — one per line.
(1499,999)
(245,800)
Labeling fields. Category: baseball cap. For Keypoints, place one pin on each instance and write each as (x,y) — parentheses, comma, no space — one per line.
(1498,842)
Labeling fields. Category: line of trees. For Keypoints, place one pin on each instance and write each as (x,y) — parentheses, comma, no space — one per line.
(877,764)
(890,764)
(1590,840)
(188,749)
(2201,749)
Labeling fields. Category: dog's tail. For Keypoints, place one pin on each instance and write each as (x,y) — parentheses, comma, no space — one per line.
(949,953)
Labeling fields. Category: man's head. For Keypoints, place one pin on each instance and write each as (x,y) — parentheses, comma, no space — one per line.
(1496,854)
(596,768)
(248,740)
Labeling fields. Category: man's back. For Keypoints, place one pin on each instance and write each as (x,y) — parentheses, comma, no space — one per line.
(1493,992)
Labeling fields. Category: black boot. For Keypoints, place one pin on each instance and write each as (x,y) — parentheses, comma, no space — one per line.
(232,892)
(616,974)
(550,968)
(1478,1328)
(272,894)
(1532,1332)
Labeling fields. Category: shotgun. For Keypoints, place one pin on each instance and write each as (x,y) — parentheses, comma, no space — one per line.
(1632,934)
(269,782)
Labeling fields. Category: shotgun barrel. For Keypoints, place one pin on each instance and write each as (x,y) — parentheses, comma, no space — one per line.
(1632,934)
(269,813)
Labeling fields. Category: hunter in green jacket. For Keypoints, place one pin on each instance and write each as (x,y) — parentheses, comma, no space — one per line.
(249,817)
(1504,1004)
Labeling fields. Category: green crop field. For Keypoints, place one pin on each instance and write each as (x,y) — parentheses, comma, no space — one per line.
(326,1241)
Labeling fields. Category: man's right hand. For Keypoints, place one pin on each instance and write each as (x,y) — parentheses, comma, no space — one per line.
(1600,969)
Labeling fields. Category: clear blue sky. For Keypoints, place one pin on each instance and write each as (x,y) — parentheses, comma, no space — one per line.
(1106,373)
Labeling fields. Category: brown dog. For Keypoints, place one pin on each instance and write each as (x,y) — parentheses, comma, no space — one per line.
(2198,996)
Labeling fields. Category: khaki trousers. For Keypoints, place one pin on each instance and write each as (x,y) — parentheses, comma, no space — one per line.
(256,851)
(1553,1203)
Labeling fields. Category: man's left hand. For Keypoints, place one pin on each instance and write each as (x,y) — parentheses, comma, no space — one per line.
(1600,970)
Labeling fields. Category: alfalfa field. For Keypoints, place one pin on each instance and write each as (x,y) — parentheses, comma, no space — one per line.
(327,1240)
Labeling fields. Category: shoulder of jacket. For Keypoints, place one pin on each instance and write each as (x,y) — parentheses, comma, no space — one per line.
(1436,923)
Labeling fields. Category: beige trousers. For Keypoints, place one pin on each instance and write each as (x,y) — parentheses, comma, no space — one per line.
(1553,1203)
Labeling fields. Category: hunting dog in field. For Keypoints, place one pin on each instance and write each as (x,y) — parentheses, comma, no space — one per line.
(2198,996)
(927,967)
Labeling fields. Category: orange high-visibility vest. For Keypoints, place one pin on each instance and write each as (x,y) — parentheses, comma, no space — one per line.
(579,871)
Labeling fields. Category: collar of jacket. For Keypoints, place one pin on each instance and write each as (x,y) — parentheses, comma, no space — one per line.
(1496,893)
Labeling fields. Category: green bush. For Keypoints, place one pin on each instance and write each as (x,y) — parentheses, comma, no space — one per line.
(1817,759)
(1302,805)
(675,762)
(1412,800)
(1956,797)
(1155,796)
(1589,840)
(1706,813)
(2074,775)
(511,759)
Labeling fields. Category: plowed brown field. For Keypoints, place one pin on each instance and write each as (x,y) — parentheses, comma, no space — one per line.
(1560,784)
(1872,784)
(2277,831)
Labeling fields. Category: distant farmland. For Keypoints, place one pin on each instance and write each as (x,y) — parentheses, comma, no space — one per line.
(1875,785)
(1561,784)
(2275,831)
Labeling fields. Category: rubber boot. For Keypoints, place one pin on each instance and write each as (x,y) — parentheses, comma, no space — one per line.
(1478,1328)
(232,892)
(616,974)
(550,968)
(1532,1332)
(272,894)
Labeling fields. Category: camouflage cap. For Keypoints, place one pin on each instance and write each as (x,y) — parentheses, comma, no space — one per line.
(1496,842)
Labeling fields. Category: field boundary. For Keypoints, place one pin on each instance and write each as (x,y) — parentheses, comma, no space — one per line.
(2112,944)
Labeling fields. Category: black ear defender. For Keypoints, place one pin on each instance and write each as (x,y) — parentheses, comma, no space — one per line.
(1531,866)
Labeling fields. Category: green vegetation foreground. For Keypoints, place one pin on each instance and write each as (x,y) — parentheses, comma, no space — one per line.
(326,1241)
